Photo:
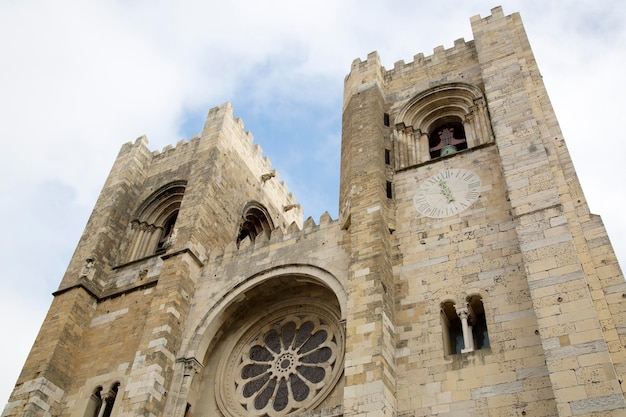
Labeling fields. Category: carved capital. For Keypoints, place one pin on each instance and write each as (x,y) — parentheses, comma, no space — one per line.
(192,366)
(462,312)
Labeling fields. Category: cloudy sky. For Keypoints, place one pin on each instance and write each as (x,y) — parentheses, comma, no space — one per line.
(80,78)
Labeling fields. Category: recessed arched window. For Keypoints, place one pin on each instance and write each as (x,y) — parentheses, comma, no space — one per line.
(154,228)
(440,121)
(255,221)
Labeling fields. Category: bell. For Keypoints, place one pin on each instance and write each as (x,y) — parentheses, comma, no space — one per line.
(448,150)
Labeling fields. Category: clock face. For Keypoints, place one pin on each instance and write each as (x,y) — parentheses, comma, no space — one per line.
(447,193)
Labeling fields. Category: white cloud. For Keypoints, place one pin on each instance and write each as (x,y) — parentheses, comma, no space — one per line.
(79,78)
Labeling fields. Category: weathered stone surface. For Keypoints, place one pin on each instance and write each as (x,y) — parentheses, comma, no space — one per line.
(196,271)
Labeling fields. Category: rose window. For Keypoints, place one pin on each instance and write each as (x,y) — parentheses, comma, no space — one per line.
(286,366)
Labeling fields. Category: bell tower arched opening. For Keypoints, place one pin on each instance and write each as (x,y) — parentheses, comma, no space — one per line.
(438,122)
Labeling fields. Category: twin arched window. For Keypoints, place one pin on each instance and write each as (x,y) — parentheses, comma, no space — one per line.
(464,327)
(100,404)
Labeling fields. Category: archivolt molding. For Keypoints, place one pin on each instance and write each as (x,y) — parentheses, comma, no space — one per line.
(154,215)
(213,320)
(255,221)
(453,98)
(162,203)
(460,102)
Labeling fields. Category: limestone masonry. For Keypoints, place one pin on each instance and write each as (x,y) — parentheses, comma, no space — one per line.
(464,276)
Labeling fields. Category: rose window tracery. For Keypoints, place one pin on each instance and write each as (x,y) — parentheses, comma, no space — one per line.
(283,367)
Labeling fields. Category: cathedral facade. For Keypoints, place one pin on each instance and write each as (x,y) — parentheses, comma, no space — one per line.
(464,276)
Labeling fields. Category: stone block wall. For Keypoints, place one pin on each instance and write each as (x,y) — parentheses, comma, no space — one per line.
(177,333)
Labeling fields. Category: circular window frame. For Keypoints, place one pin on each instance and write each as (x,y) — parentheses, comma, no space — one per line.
(230,383)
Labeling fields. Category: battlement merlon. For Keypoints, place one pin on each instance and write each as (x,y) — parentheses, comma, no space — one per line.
(363,74)
(496,13)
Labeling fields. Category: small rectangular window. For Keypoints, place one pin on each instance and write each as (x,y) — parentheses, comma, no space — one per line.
(386,119)
(387,157)
(389,189)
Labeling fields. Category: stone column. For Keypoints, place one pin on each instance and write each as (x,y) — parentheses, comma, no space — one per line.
(470,131)
(468,339)
(424,148)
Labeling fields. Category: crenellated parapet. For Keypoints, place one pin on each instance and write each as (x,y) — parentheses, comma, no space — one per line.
(440,55)
(180,149)
(140,146)
(455,64)
(278,237)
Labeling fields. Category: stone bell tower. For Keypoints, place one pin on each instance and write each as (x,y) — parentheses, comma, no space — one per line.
(482,284)
(465,275)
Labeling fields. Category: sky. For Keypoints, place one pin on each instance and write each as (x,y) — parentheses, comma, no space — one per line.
(80,78)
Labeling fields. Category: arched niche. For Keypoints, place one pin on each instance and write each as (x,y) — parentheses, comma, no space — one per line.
(152,229)
(454,112)
(255,221)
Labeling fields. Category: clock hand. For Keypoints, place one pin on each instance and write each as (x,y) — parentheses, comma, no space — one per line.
(445,190)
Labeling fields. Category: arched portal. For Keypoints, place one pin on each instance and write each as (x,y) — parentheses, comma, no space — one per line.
(273,346)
